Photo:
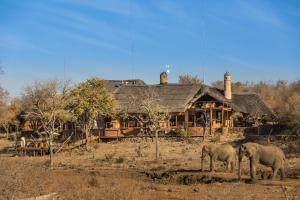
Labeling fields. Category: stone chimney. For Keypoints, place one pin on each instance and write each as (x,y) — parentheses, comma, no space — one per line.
(163,78)
(227,86)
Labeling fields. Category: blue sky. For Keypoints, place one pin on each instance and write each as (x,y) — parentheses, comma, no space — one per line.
(122,39)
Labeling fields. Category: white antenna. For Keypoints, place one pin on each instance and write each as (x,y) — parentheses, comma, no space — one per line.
(168,69)
(65,70)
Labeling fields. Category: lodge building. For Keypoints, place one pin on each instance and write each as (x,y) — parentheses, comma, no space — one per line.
(197,108)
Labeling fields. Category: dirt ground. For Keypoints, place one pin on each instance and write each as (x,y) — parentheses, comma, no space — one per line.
(128,170)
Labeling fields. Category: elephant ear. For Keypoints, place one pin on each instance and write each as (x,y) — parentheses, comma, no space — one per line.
(251,150)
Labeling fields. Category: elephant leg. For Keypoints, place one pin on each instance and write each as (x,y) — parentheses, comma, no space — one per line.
(232,166)
(282,173)
(252,169)
(227,165)
(275,171)
(212,163)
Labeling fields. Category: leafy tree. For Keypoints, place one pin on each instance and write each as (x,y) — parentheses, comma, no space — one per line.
(90,101)
(189,79)
(46,102)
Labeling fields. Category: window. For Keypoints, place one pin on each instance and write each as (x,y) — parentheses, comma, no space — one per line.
(218,116)
(173,120)
(130,122)
(191,120)
(180,120)
(200,119)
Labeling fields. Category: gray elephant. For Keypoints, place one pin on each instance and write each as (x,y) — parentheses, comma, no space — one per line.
(268,155)
(220,152)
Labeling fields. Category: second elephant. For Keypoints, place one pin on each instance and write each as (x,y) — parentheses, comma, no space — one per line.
(221,152)
(268,155)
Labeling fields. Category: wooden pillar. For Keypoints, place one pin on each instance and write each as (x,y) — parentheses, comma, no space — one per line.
(186,119)
(222,120)
(195,119)
(222,117)
(227,118)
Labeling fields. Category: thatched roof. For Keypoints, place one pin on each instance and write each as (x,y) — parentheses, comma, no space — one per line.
(251,104)
(176,97)
(211,91)
(112,85)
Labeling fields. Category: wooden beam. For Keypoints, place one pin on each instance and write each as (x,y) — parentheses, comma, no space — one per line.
(186,119)
(222,118)
(227,118)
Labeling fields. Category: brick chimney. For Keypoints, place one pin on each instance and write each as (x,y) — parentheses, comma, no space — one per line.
(227,86)
(164,78)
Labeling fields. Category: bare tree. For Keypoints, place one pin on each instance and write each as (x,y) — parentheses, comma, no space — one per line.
(218,84)
(46,101)
(148,111)
(7,115)
(189,79)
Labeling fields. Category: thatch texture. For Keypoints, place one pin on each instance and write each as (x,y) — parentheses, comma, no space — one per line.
(112,85)
(176,97)
(251,104)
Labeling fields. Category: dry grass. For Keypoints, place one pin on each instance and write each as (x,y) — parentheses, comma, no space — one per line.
(115,171)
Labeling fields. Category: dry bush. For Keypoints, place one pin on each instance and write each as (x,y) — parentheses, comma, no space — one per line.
(96,146)
(93,182)
(291,116)
(139,151)
(120,160)
(109,156)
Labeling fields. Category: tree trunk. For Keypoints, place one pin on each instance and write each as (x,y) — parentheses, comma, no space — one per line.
(51,150)
(156,145)
(87,133)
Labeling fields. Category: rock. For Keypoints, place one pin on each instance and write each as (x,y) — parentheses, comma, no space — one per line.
(196,190)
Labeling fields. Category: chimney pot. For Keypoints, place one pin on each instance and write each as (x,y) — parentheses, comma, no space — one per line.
(164,78)
(227,86)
